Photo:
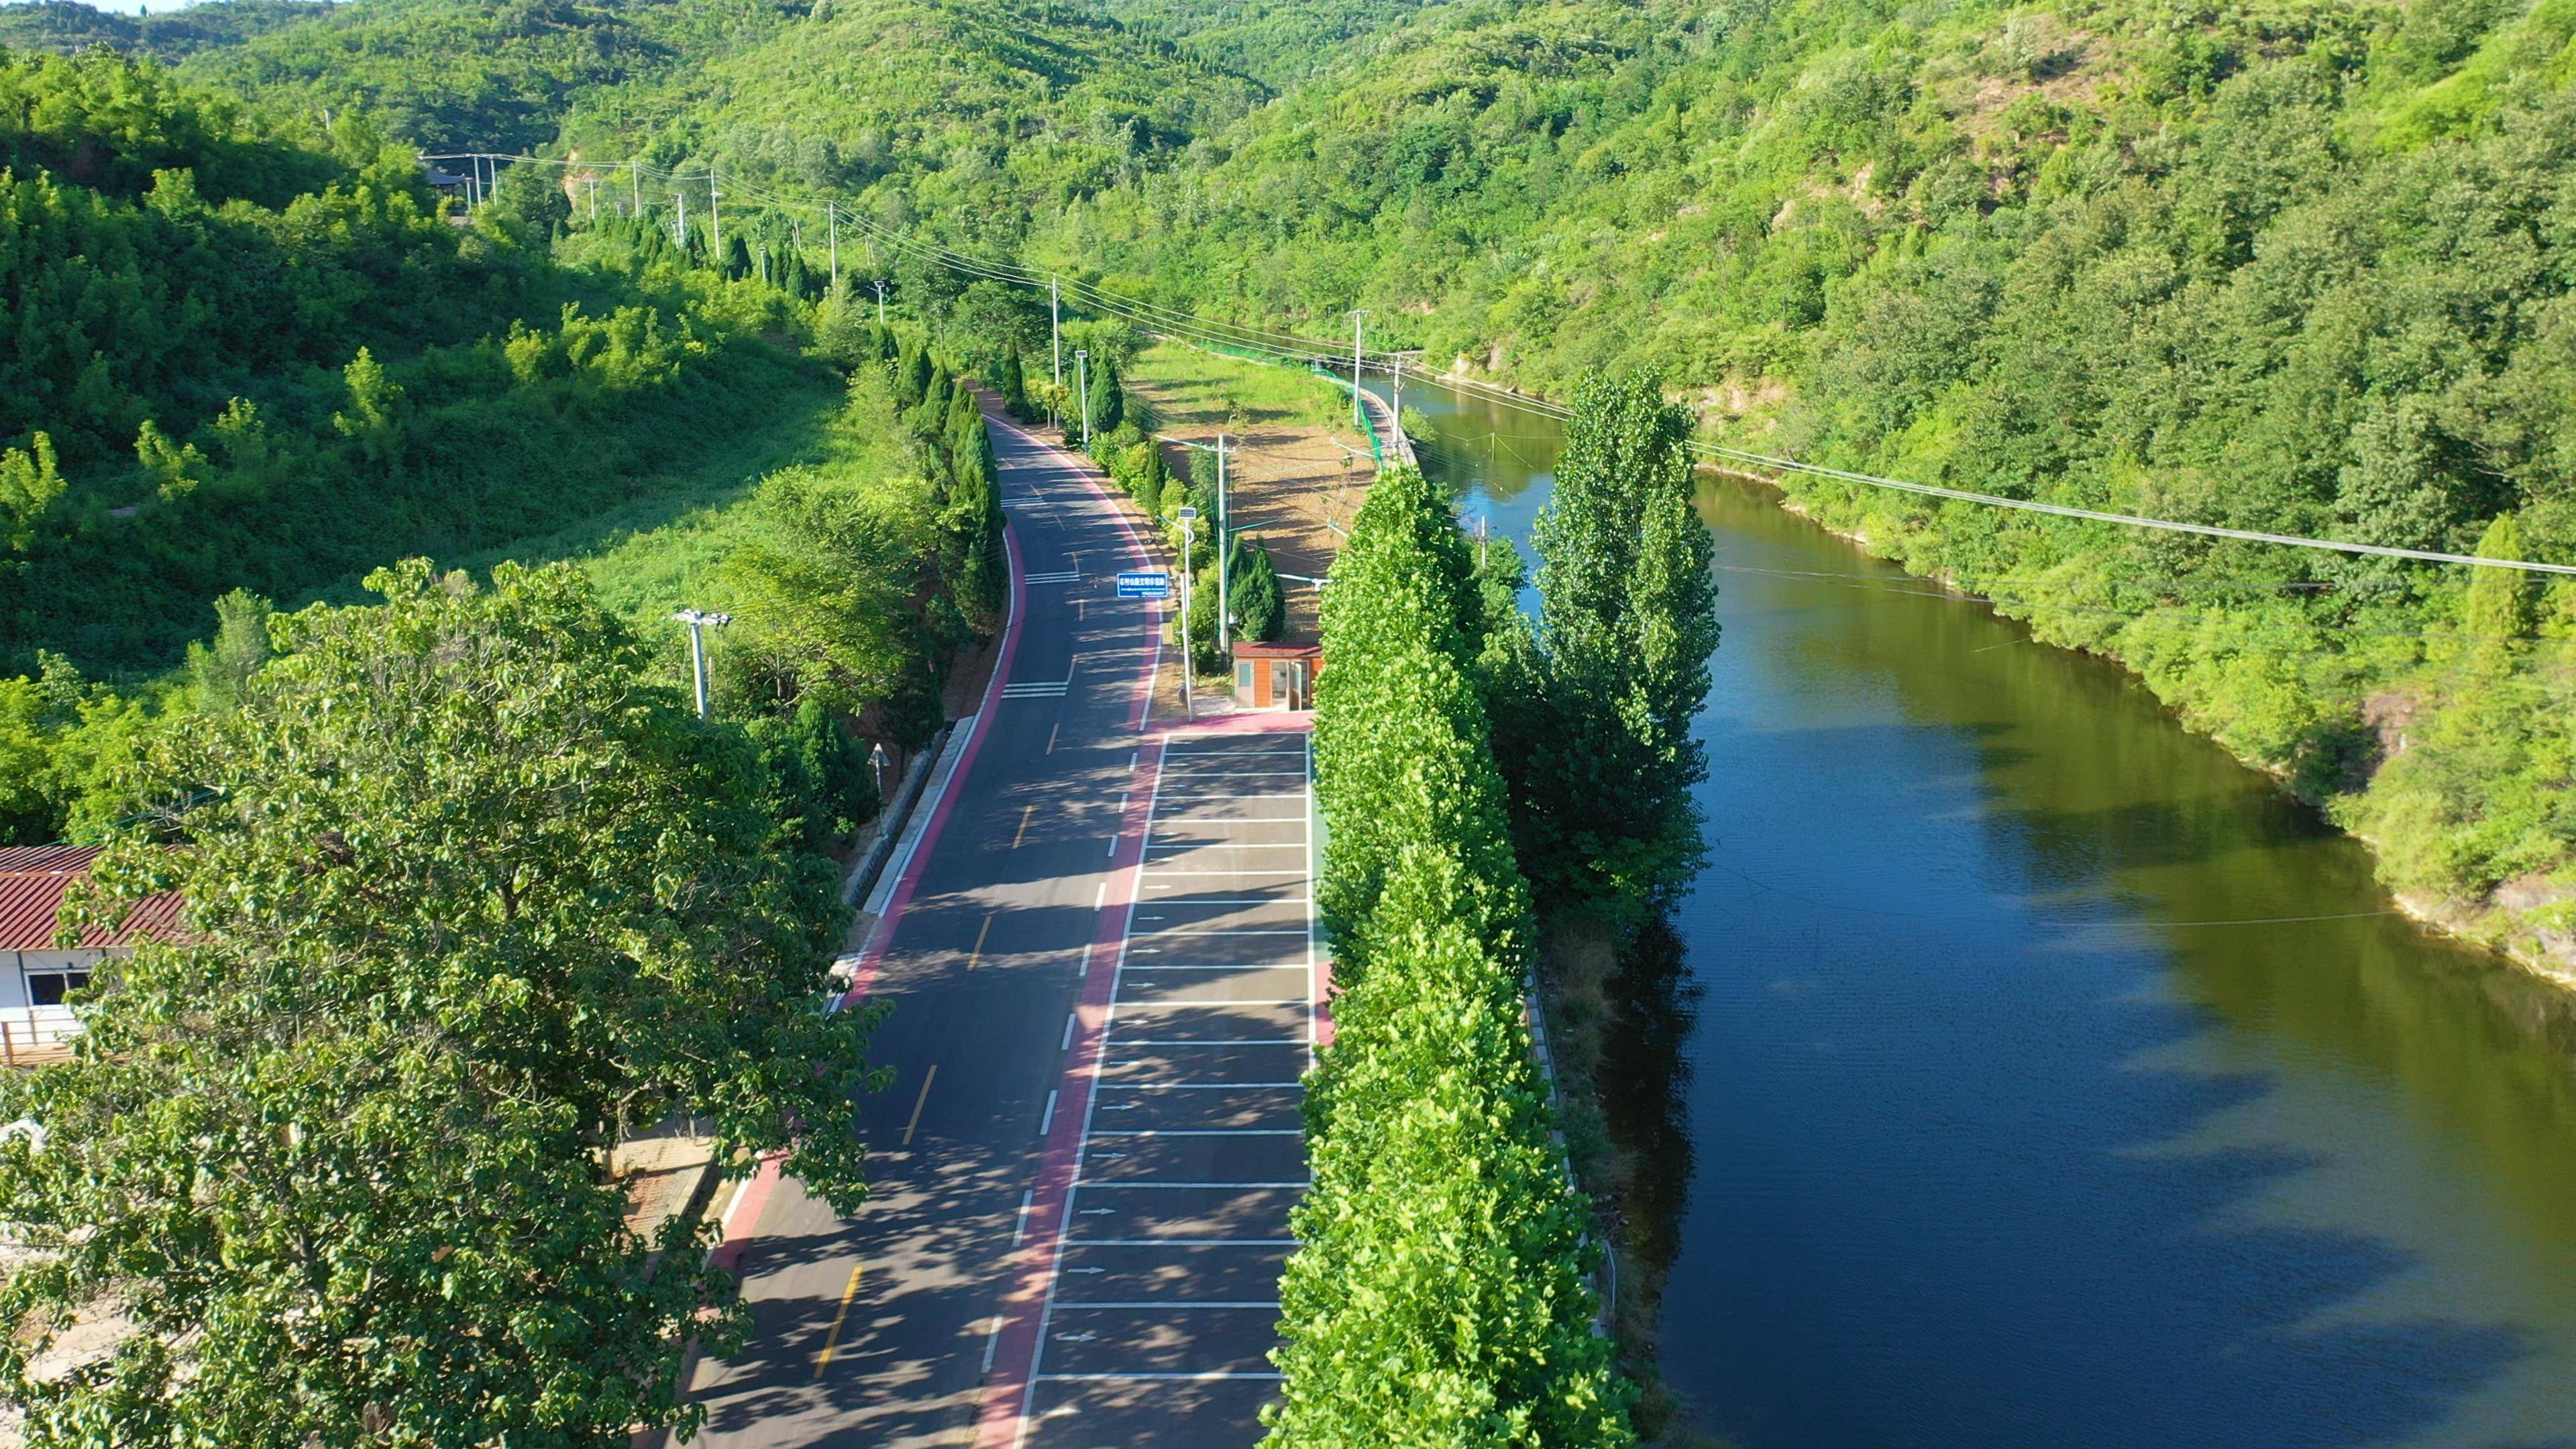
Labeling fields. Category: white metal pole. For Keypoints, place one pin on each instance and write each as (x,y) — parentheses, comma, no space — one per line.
(880,286)
(635,185)
(680,227)
(715,219)
(1082,370)
(698,663)
(832,210)
(1189,666)
(1055,326)
(1224,559)
(1359,418)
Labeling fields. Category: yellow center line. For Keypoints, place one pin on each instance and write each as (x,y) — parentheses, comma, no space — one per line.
(1025,812)
(832,1339)
(978,953)
(926,1079)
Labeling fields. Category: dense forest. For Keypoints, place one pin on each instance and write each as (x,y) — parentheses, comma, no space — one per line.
(2292,269)
(2297,267)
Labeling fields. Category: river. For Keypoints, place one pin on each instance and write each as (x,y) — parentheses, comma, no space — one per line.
(2036,1075)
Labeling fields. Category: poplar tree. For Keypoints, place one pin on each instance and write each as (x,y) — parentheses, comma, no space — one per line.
(1603,762)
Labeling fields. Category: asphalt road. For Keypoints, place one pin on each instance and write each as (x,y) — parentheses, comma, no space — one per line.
(1019,1014)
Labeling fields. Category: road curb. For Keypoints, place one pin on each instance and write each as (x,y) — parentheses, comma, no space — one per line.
(894,823)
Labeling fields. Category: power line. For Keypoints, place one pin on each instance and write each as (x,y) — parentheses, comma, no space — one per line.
(1155,317)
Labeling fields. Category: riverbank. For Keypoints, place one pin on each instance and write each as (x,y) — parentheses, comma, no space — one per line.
(2524,922)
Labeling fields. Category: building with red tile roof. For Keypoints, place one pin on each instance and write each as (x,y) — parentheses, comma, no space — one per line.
(36,974)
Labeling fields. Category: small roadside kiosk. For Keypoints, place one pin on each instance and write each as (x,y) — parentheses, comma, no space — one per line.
(1276,676)
(35,974)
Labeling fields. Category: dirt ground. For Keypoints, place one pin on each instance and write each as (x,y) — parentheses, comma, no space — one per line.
(1294,478)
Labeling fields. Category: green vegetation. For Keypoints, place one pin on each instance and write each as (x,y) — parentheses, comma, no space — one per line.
(68,27)
(1600,754)
(1426,1304)
(467,902)
(260,364)
(2294,271)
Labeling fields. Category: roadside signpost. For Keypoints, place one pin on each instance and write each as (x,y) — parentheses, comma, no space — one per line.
(1145,584)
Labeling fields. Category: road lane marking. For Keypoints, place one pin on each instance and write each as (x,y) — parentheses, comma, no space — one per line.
(1197,1378)
(1178,1303)
(1048,1120)
(978,953)
(1201,1131)
(1142,1185)
(1189,1086)
(1182,1243)
(1051,734)
(926,1079)
(1028,810)
(1067,1043)
(1020,1225)
(992,1341)
(832,1340)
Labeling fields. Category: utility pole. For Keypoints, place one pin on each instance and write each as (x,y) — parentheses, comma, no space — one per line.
(832,214)
(880,286)
(1082,369)
(680,228)
(699,621)
(1055,326)
(635,185)
(1189,666)
(591,189)
(1359,418)
(1399,391)
(715,220)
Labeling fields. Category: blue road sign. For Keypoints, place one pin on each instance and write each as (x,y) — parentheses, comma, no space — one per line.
(1145,584)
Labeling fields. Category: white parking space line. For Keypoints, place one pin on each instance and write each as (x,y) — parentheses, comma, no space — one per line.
(1204,1378)
(1119,1185)
(1194,775)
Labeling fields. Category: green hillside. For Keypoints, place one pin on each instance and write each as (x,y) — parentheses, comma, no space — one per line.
(68,27)
(2292,269)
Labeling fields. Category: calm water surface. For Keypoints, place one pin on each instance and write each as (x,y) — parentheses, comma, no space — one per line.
(2007,1110)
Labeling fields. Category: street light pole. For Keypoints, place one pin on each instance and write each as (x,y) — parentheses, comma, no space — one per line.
(698,621)
(1224,558)
(880,286)
(1055,326)
(1358,417)
(1189,666)
(1082,370)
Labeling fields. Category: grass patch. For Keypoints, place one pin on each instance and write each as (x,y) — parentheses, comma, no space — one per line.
(1193,386)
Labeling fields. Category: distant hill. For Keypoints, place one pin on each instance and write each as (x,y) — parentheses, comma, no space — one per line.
(67,26)
(1281,43)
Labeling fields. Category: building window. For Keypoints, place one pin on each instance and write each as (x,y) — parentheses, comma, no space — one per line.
(1243,674)
(47,988)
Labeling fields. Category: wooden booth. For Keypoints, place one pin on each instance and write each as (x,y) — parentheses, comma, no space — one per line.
(1276,676)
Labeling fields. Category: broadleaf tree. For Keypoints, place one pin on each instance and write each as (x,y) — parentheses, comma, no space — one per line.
(465,902)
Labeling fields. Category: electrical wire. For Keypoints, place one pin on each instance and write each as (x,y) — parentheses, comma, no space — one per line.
(1155,317)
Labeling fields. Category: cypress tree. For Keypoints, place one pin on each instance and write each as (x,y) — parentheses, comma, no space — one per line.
(1015,386)
(912,369)
(1255,587)
(2500,601)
